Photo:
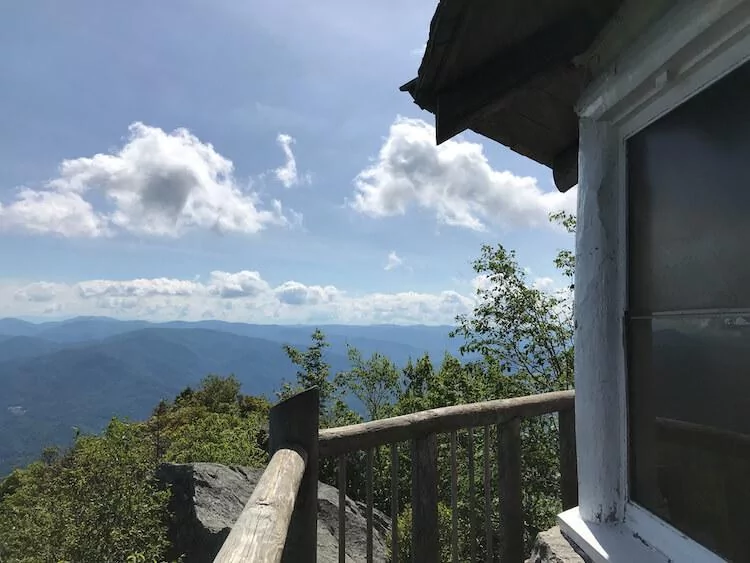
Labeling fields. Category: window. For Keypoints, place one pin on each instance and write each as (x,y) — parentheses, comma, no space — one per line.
(689,316)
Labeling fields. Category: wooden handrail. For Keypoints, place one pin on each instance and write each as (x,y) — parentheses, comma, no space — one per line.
(335,441)
(280,521)
(259,535)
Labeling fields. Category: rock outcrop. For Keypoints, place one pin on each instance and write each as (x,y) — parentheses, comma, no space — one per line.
(551,546)
(207,498)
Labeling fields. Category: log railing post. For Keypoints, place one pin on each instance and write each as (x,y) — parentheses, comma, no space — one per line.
(424,500)
(566,422)
(295,422)
(509,473)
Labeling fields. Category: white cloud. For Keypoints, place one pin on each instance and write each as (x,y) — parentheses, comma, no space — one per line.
(38,292)
(454,181)
(156,184)
(295,293)
(394,261)
(545,284)
(288,174)
(136,288)
(240,284)
(52,212)
(234,296)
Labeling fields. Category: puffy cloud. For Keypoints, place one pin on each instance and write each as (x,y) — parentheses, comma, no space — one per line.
(295,293)
(39,292)
(454,181)
(156,184)
(51,212)
(239,284)
(545,284)
(234,296)
(136,288)
(394,261)
(288,174)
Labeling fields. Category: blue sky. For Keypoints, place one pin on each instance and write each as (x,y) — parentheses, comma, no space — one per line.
(251,161)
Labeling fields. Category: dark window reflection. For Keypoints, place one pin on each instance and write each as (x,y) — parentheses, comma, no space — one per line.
(689,340)
(690,427)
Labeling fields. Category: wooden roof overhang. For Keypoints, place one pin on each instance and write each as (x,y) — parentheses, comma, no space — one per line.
(508,70)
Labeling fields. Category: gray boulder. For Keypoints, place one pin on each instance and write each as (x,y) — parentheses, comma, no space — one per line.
(207,498)
(551,546)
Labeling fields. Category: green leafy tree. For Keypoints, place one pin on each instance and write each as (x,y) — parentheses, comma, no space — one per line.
(525,335)
(374,381)
(312,371)
(99,502)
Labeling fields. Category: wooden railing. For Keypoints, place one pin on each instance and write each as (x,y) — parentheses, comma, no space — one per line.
(261,531)
(280,520)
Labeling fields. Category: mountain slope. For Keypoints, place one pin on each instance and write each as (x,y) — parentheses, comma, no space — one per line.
(81,372)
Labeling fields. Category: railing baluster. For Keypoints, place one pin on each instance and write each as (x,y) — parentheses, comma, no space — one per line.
(472,501)
(370,503)
(424,500)
(394,503)
(454,500)
(487,497)
(342,508)
(509,473)
(566,422)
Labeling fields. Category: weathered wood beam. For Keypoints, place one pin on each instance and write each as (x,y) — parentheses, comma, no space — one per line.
(566,422)
(260,533)
(333,441)
(295,421)
(425,543)
(565,168)
(509,474)
(551,46)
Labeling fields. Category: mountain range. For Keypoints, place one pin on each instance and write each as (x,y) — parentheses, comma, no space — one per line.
(81,372)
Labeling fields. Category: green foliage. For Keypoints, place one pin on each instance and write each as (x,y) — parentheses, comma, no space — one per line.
(375,382)
(99,501)
(404,525)
(312,371)
(526,331)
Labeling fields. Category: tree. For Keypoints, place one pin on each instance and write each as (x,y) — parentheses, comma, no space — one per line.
(218,394)
(375,382)
(528,332)
(525,336)
(312,371)
(98,502)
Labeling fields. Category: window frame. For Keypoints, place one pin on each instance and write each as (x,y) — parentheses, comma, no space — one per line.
(691,47)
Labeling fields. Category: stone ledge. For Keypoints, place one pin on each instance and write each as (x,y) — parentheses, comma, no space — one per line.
(552,546)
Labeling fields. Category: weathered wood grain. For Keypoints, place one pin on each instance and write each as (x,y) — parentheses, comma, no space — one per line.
(424,500)
(394,503)
(472,498)
(487,480)
(295,421)
(260,533)
(333,441)
(342,508)
(566,422)
(509,477)
(369,504)
(454,500)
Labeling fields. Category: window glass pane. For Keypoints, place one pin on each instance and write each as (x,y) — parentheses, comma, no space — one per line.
(689,216)
(690,426)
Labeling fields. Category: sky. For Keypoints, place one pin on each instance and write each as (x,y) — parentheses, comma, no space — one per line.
(246,160)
